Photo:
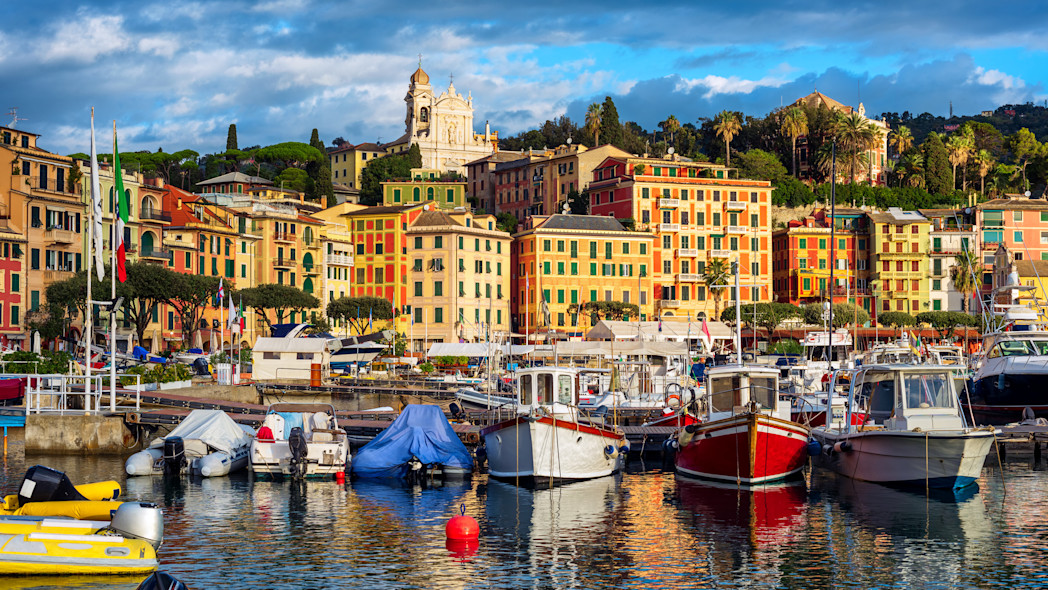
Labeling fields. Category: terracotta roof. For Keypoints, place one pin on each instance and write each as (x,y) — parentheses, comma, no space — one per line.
(434,218)
(1026,268)
(372,147)
(817,98)
(1017,203)
(381,210)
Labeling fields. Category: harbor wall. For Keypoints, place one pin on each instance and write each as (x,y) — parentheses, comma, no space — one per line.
(245,394)
(78,434)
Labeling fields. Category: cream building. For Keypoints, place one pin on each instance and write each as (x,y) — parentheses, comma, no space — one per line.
(336,244)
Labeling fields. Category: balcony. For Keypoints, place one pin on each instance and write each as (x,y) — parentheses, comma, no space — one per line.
(687,252)
(991,246)
(954,251)
(735,205)
(669,303)
(312,269)
(55,275)
(736,229)
(158,255)
(154,215)
(282,236)
(43,183)
(339,260)
(4,211)
(285,263)
(668,203)
(184,241)
(669,227)
(688,278)
(720,253)
(59,236)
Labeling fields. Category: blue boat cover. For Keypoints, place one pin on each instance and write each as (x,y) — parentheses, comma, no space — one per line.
(421,431)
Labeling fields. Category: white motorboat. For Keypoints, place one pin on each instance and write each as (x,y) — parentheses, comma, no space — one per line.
(547,439)
(823,353)
(206,443)
(914,432)
(1008,386)
(484,399)
(299,441)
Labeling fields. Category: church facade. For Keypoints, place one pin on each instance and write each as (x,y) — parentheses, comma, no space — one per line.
(442,126)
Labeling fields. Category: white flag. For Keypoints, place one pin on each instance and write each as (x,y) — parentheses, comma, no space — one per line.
(234,322)
(96,207)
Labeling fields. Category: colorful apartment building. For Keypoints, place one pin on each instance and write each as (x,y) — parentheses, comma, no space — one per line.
(697,214)
(480,179)
(468,298)
(801,273)
(899,261)
(425,186)
(336,244)
(233,183)
(562,262)
(348,162)
(42,219)
(1019,224)
(873,171)
(952,234)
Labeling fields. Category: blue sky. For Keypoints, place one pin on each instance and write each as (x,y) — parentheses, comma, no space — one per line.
(176,74)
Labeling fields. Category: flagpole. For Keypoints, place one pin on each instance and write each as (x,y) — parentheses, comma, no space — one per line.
(88,326)
(112,282)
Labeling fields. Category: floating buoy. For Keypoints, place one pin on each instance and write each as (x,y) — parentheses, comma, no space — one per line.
(814,448)
(462,527)
(462,549)
(340,477)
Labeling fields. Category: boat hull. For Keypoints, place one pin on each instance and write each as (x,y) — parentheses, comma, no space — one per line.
(214,464)
(747,448)
(936,459)
(545,448)
(1001,394)
(323,460)
(50,546)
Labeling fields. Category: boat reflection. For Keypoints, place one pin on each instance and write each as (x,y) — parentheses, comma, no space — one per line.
(766,515)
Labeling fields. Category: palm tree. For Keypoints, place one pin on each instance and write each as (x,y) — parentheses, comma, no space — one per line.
(593,116)
(794,124)
(727,127)
(670,125)
(913,168)
(901,139)
(959,148)
(717,275)
(965,275)
(855,134)
(986,163)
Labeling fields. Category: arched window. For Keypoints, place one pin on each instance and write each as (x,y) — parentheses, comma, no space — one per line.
(429,193)
(147,243)
(417,194)
(423,115)
(307,236)
(307,285)
(307,261)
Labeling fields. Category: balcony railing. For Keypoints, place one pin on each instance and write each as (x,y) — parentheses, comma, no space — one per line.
(282,236)
(59,236)
(736,229)
(687,252)
(53,275)
(285,263)
(165,255)
(990,245)
(720,253)
(669,227)
(946,251)
(668,203)
(339,260)
(188,244)
(688,278)
(669,303)
(154,215)
(735,205)
(43,183)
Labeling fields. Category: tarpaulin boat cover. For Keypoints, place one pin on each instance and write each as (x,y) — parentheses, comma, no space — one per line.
(421,431)
(211,427)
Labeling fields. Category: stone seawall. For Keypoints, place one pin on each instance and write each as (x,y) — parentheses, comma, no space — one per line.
(77,434)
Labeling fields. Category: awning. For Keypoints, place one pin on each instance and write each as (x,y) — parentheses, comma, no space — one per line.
(475,349)
(657,331)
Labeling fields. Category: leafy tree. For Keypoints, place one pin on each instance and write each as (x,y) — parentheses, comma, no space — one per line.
(610,310)
(593,123)
(320,173)
(727,126)
(844,314)
(281,299)
(610,127)
(189,295)
(984,160)
(578,204)
(958,149)
(794,124)
(945,322)
(766,315)
(506,222)
(717,275)
(231,137)
(761,165)
(391,167)
(357,310)
(49,320)
(670,125)
(290,153)
(295,179)
(936,165)
(896,319)
(1024,146)
(414,156)
(791,192)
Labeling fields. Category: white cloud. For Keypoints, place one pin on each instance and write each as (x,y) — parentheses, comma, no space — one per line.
(85,38)
(715,85)
(166,11)
(162,45)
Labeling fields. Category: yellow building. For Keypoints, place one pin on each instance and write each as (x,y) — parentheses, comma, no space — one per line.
(468,297)
(570,260)
(336,244)
(348,162)
(899,260)
(426,185)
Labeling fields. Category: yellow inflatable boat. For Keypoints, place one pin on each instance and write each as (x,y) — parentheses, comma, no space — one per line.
(61,546)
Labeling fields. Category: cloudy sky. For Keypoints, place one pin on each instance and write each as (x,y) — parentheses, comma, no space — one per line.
(176,74)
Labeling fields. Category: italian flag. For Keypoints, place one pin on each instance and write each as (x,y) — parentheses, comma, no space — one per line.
(121,218)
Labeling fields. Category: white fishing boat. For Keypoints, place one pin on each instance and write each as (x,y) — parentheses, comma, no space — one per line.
(299,441)
(823,353)
(914,432)
(207,443)
(547,439)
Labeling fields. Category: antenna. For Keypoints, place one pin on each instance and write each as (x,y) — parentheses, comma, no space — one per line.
(13,113)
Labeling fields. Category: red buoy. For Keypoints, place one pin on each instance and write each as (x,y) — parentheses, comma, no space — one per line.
(462,527)
(340,477)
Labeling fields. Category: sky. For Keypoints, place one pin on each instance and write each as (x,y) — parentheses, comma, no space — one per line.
(175,75)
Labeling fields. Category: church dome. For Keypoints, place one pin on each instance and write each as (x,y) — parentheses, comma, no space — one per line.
(420,77)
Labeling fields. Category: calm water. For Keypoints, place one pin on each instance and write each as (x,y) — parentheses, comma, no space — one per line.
(643,529)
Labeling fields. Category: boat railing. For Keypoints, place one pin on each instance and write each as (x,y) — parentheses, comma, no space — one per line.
(56,393)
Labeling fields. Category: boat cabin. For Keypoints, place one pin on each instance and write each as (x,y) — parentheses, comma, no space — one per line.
(731,389)
(547,386)
(904,397)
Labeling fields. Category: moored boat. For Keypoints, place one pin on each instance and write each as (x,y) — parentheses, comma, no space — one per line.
(420,443)
(914,434)
(548,439)
(1013,369)
(299,441)
(207,443)
(746,435)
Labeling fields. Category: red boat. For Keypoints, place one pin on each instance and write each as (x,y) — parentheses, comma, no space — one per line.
(746,435)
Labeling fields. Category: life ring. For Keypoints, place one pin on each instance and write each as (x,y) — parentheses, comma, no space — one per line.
(672,400)
(472,437)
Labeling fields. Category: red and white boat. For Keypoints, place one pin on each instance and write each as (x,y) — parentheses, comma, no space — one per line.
(549,439)
(746,435)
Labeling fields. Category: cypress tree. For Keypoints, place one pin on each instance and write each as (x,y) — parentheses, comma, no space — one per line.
(414,156)
(320,173)
(937,171)
(610,128)
(231,137)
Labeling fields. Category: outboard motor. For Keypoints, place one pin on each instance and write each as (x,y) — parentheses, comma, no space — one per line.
(162,581)
(43,484)
(299,451)
(139,520)
(174,460)
(200,366)
(456,411)
(416,471)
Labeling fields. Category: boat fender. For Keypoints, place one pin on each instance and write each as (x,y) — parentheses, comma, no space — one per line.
(814,448)
(672,400)
(1001,382)
(609,450)
(174,458)
(472,437)
(691,428)
(624,450)
(842,447)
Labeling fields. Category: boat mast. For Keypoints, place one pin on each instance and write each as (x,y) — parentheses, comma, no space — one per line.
(833,258)
(738,317)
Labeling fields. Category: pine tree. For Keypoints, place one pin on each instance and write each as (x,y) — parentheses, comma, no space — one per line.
(610,128)
(414,156)
(231,137)
(320,173)
(936,165)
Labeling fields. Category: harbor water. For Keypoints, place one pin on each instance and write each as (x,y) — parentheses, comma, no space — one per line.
(645,528)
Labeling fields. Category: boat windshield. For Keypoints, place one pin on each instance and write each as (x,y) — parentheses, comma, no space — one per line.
(729,391)
(1019,348)
(927,390)
(544,391)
